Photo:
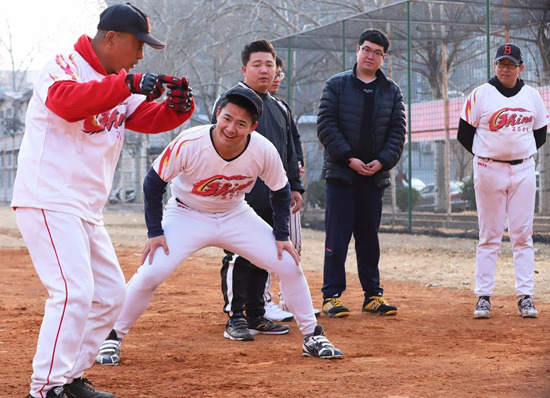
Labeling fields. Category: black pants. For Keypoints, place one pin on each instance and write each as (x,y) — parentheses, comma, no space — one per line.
(243,284)
(352,209)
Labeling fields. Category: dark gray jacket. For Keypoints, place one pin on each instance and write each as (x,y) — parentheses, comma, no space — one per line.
(339,125)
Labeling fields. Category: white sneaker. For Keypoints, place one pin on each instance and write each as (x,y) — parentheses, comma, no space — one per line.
(483,308)
(526,307)
(282,305)
(276,313)
(109,353)
(317,345)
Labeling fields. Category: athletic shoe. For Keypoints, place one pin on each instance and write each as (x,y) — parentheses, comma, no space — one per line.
(483,308)
(275,313)
(284,307)
(317,345)
(526,307)
(56,392)
(109,353)
(378,305)
(262,325)
(334,308)
(237,329)
(82,388)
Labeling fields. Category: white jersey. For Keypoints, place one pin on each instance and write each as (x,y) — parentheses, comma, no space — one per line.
(206,182)
(64,166)
(504,125)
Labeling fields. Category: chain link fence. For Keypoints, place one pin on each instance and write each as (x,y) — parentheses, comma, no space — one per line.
(439,52)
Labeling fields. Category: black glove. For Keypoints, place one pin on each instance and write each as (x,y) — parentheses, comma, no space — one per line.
(142,83)
(180,95)
(157,92)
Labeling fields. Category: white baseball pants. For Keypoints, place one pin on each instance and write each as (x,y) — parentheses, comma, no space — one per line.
(241,231)
(503,189)
(77,265)
(295,227)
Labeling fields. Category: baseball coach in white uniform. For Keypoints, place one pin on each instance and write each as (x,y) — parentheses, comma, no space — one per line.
(503,123)
(82,102)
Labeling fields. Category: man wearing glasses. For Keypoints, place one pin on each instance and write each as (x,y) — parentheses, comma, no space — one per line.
(361,124)
(503,123)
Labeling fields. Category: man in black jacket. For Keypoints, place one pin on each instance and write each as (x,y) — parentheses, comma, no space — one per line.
(243,283)
(361,124)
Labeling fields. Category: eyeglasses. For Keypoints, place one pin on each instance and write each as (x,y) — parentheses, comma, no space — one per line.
(280,75)
(368,51)
(501,65)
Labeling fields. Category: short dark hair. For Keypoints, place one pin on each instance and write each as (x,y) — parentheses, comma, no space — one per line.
(243,103)
(375,36)
(258,46)
(279,62)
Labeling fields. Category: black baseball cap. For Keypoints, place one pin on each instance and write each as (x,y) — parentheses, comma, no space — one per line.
(248,94)
(128,18)
(511,52)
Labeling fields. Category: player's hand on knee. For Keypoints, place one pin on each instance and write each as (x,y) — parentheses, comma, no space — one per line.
(289,247)
(151,246)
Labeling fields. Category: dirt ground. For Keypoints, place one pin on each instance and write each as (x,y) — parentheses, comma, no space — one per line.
(432,348)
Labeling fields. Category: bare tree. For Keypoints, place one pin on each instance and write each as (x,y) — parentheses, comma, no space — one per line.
(18,69)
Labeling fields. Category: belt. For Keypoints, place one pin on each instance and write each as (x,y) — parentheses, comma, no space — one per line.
(511,162)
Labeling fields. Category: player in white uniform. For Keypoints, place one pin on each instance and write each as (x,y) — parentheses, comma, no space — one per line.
(503,123)
(81,104)
(211,168)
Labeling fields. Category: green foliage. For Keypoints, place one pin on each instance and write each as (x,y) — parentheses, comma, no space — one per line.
(316,194)
(402,198)
(468,193)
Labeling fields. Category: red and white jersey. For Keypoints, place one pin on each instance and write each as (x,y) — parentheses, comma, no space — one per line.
(504,125)
(206,182)
(67,164)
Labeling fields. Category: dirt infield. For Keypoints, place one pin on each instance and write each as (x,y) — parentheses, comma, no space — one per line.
(432,348)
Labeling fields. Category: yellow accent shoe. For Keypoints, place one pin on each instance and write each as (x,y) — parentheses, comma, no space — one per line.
(334,308)
(378,305)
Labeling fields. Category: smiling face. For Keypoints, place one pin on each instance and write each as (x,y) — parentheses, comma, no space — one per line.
(259,71)
(234,125)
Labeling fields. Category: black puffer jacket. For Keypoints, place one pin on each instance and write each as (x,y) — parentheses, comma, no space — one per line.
(339,125)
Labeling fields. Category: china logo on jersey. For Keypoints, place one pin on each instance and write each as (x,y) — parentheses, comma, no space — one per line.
(224,186)
(104,121)
(510,117)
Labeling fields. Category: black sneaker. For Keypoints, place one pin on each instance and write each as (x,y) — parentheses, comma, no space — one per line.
(262,325)
(82,388)
(334,308)
(317,345)
(237,329)
(378,305)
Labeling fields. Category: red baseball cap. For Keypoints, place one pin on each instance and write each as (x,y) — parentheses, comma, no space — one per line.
(128,18)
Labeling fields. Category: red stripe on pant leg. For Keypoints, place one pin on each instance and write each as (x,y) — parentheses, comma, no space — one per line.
(66,298)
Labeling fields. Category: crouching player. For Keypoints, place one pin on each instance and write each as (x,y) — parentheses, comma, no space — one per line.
(211,168)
